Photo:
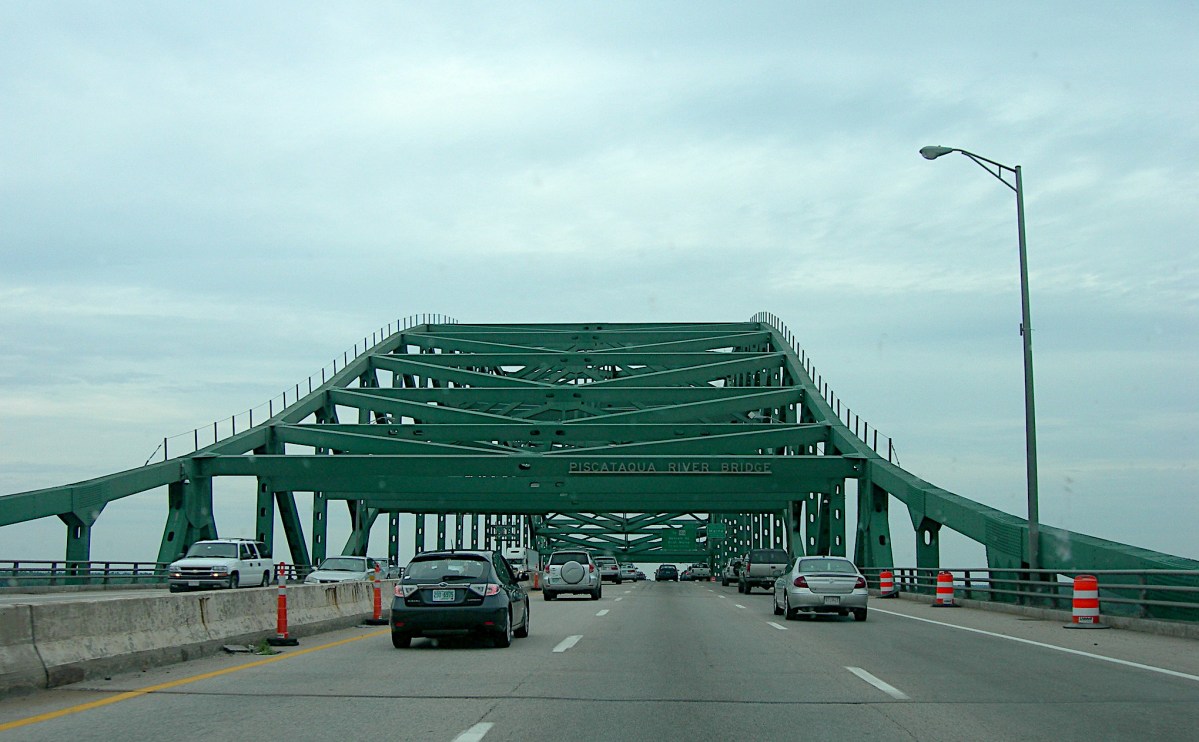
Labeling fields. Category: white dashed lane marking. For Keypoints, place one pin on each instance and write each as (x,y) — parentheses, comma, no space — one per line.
(887,688)
(475,733)
(568,642)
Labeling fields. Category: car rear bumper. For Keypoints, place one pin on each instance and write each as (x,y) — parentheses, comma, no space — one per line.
(806,600)
(426,621)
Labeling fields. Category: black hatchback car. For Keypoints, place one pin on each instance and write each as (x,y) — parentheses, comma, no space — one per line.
(459,592)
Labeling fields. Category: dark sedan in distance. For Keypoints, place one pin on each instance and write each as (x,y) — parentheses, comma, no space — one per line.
(667,573)
(459,592)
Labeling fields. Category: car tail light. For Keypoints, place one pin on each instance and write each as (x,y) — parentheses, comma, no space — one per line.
(799,582)
(861,583)
(408,590)
(590,567)
(486,589)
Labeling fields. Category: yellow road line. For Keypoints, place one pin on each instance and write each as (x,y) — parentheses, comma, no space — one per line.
(176,683)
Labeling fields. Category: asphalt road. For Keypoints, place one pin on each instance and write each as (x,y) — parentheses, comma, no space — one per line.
(669,661)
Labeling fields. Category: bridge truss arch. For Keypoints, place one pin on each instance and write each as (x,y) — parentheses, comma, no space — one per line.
(653,442)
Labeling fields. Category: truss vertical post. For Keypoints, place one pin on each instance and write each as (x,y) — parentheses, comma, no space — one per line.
(393,537)
(419,533)
(474,531)
(836,519)
(440,531)
(320,527)
(458,543)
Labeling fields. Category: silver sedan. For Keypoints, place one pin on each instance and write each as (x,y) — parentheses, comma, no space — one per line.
(821,584)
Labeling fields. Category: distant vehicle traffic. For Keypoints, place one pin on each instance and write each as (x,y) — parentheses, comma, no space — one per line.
(524,561)
(821,584)
(667,573)
(700,572)
(609,569)
(762,568)
(731,572)
(459,592)
(628,572)
(343,569)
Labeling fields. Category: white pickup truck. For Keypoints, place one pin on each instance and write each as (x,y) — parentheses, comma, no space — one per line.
(221,562)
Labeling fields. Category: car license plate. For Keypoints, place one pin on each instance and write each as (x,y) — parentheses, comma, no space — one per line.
(443,596)
(832,600)
(193,583)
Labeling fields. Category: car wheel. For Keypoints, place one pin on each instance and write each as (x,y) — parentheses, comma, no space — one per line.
(724,583)
(503,637)
(399,641)
(775,605)
(788,614)
(547,594)
(859,614)
(233,580)
(618,582)
(523,631)
(266,579)
(597,593)
(175,588)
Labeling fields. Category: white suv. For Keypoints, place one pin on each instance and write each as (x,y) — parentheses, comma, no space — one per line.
(221,562)
(571,572)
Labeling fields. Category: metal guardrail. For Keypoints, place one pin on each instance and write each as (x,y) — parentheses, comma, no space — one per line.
(21,573)
(1169,594)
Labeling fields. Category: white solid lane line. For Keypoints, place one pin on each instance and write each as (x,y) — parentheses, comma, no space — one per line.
(887,688)
(475,733)
(603,612)
(1113,660)
(780,627)
(568,642)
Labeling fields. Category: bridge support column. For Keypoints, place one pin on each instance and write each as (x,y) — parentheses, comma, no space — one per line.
(79,536)
(419,534)
(474,531)
(872,547)
(458,542)
(440,531)
(928,548)
(189,516)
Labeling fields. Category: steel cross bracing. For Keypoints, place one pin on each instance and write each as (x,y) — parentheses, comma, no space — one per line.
(631,439)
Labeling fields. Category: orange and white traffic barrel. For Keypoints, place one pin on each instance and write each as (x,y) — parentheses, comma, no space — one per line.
(944,591)
(282,638)
(377,588)
(886,584)
(1086,603)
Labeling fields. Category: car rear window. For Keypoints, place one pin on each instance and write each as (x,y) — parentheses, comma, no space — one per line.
(768,556)
(605,560)
(827,565)
(448,569)
(562,557)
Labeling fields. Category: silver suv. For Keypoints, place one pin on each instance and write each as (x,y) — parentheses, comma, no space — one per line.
(572,571)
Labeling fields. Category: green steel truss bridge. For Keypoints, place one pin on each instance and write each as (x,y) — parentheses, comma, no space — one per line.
(654,442)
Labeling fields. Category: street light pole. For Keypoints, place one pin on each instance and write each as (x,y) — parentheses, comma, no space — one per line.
(1030,427)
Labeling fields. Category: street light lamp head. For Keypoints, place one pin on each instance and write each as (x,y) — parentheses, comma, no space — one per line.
(932,153)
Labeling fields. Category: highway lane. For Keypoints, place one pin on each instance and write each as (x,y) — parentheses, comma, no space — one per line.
(667,662)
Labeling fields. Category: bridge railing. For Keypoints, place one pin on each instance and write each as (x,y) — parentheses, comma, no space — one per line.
(1171,594)
(27,573)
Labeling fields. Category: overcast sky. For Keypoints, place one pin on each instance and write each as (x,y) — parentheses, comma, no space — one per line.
(203,203)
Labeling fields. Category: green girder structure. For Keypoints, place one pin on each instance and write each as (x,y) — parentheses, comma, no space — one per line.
(629,439)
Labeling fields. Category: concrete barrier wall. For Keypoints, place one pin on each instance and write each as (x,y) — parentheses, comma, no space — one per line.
(43,645)
(20,666)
